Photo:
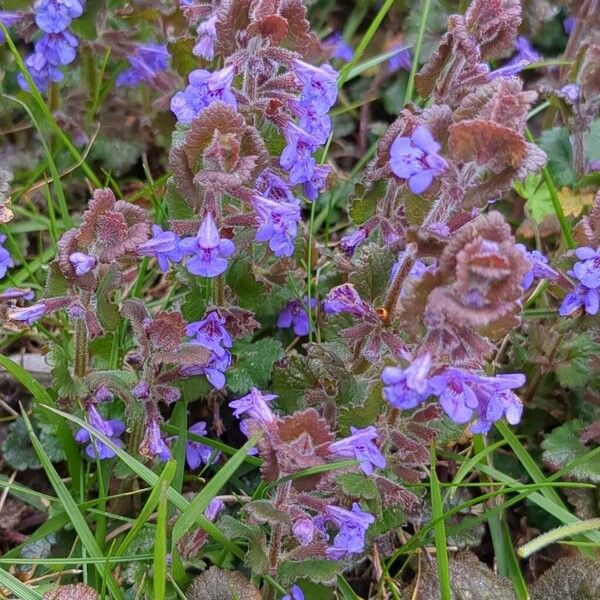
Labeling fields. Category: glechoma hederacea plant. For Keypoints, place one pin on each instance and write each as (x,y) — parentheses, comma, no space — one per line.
(166,322)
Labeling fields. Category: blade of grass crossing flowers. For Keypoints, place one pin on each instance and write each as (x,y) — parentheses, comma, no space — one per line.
(43,398)
(210,490)
(151,478)
(17,588)
(70,507)
(441,543)
(160,545)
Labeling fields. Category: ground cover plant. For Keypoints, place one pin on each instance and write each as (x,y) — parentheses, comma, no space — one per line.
(299,300)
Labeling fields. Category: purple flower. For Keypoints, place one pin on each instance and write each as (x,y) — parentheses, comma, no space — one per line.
(153,443)
(204,89)
(338,47)
(524,52)
(297,155)
(58,48)
(350,242)
(416,159)
(360,445)
(112,429)
(295,594)
(581,296)
(102,394)
(42,72)
(198,453)
(164,246)
(345,299)
(255,406)
(28,314)
(417,270)
(214,370)
(540,269)
(6,261)
(409,387)
(463,394)
(304,530)
(569,24)
(141,391)
(145,63)
(319,84)
(317,182)
(215,506)
(311,121)
(82,263)
(587,270)
(277,224)
(294,313)
(207,35)
(210,332)
(271,186)
(16,294)
(571,92)
(402,59)
(54,16)
(9,19)
(353,526)
(209,251)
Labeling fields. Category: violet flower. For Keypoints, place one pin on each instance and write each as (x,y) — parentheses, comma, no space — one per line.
(317,182)
(297,156)
(311,121)
(42,72)
(540,269)
(198,453)
(54,16)
(58,48)
(277,224)
(338,47)
(320,87)
(210,332)
(360,445)
(9,19)
(208,251)
(28,314)
(163,246)
(215,506)
(407,388)
(345,299)
(16,294)
(402,59)
(569,24)
(294,314)
(270,185)
(295,594)
(587,293)
(351,241)
(525,52)
(205,87)
(112,429)
(6,261)
(82,263)
(214,370)
(207,35)
(255,406)
(153,443)
(416,159)
(304,530)
(146,62)
(571,92)
(353,526)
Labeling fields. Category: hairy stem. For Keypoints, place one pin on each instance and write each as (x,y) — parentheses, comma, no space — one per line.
(80,342)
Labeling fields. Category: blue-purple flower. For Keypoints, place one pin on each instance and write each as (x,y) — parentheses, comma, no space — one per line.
(208,252)
(214,370)
(54,16)
(204,88)
(345,299)
(294,314)
(9,19)
(153,444)
(198,453)
(407,388)
(402,59)
(163,246)
(319,85)
(271,186)
(255,406)
(338,47)
(112,429)
(311,121)
(304,530)
(28,314)
(82,263)
(297,156)
(317,181)
(207,35)
(525,52)
(295,594)
(277,224)
(351,241)
(6,261)
(571,92)
(464,395)
(42,72)
(361,446)
(540,269)
(58,48)
(210,332)
(416,159)
(146,62)
(352,525)
(587,292)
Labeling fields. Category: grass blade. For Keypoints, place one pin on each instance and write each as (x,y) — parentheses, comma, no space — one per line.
(160,547)
(70,506)
(439,529)
(16,587)
(410,86)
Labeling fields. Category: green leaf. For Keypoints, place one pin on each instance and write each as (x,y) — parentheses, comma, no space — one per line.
(117,155)
(263,511)
(256,557)
(17,587)
(372,273)
(177,207)
(571,577)
(108,311)
(85,25)
(557,145)
(563,445)
(575,360)
(315,570)
(254,363)
(358,486)
(364,206)
(182,59)
(56,284)
(365,414)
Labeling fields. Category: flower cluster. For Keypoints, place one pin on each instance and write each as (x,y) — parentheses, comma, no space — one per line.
(587,292)
(145,62)
(57,46)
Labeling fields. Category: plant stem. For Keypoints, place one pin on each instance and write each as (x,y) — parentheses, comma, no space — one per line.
(417,53)
(80,341)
